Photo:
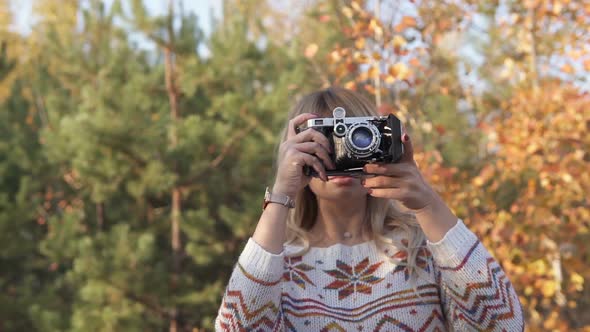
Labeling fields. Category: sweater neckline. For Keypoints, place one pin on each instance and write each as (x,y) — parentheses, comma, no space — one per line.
(349,246)
(362,247)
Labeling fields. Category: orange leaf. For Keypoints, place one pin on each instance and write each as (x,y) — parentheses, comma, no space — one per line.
(531,4)
(350,85)
(409,21)
(575,54)
(567,68)
(370,88)
(385,109)
(406,22)
(440,129)
(373,72)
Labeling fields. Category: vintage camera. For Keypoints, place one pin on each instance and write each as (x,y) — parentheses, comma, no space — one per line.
(357,141)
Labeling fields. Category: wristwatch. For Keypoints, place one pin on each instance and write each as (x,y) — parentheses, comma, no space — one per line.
(270,197)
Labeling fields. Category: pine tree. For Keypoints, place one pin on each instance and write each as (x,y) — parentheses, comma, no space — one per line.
(136,174)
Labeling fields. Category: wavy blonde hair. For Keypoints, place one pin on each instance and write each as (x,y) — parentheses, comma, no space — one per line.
(383,217)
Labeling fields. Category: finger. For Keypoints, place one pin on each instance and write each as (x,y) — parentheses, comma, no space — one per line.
(392,193)
(318,150)
(312,135)
(395,170)
(383,182)
(315,163)
(408,155)
(297,121)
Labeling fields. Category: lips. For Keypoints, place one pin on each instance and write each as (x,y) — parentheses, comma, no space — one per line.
(341,180)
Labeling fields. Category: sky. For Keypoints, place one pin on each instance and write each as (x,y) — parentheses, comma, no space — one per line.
(202,8)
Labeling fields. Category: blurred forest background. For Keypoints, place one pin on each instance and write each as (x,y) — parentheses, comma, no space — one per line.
(131,176)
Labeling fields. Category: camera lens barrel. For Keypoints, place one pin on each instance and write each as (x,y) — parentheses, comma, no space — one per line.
(362,139)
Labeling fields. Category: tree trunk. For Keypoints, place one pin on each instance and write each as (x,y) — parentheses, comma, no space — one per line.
(169,66)
(100,215)
(378,62)
(533,68)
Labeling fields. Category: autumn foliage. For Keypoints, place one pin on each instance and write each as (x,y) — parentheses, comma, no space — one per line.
(524,187)
(132,162)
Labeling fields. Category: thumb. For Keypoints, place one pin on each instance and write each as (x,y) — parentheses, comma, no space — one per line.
(408,155)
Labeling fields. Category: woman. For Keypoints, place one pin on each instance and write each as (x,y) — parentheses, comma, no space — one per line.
(380,253)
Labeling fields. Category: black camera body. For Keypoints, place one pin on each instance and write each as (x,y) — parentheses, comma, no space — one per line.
(357,141)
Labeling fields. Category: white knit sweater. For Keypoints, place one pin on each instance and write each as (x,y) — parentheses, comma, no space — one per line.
(356,288)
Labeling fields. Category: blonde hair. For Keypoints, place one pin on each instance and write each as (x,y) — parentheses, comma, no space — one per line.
(383,217)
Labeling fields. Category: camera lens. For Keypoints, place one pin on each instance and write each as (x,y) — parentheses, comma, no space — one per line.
(362,137)
(362,140)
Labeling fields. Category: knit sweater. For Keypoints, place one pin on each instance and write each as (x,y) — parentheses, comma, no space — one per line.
(357,288)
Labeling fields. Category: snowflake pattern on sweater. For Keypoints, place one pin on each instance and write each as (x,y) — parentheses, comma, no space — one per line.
(355,288)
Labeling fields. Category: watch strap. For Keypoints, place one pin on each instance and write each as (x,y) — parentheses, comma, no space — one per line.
(270,197)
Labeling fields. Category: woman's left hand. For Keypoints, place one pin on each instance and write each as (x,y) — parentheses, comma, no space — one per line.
(401,181)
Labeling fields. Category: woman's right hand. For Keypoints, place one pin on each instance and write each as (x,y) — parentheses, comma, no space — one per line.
(309,147)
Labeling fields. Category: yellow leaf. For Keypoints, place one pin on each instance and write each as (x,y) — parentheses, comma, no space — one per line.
(538,267)
(532,148)
(375,26)
(335,55)
(360,57)
(549,288)
(347,12)
(360,43)
(378,32)
(400,71)
(311,50)
(577,281)
(557,7)
(567,178)
(398,41)
(575,54)
(351,85)
(478,181)
(426,126)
